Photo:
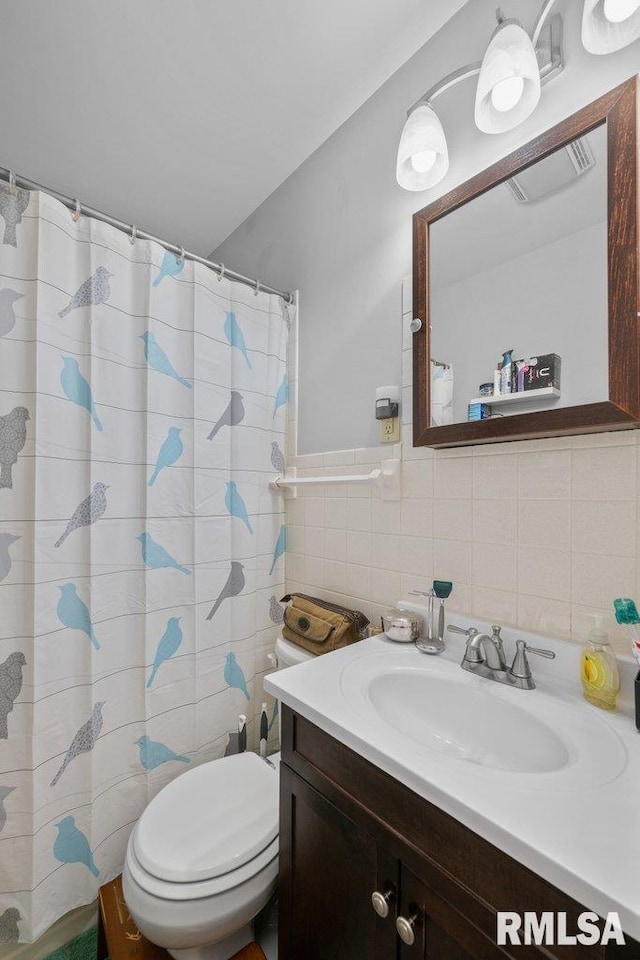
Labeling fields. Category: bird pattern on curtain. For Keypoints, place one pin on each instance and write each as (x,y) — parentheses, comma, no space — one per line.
(141,549)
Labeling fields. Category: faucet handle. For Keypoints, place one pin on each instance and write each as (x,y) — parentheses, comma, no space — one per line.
(548,654)
(520,667)
(470,633)
(471,655)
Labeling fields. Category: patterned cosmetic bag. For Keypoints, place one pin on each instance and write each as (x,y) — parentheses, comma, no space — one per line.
(319,626)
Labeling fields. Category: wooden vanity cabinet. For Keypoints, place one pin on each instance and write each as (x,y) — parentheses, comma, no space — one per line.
(348,829)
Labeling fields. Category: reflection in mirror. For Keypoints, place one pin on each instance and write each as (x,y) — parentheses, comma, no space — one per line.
(518,291)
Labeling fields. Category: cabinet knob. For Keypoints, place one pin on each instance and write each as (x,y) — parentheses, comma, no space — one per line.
(406,927)
(381,901)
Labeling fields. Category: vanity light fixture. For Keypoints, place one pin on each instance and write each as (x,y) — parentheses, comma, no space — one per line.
(511,73)
(610,25)
(423,157)
(509,83)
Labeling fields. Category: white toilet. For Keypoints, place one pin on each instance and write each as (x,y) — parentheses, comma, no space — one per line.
(202,860)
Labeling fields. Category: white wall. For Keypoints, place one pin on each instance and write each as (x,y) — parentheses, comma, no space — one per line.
(339,229)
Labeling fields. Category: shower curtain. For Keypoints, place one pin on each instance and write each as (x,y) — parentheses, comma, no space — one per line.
(142,414)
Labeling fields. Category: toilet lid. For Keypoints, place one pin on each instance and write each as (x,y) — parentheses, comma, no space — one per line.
(210,820)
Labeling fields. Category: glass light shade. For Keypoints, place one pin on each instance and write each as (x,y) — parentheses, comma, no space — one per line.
(602,35)
(423,157)
(507,93)
(618,10)
(509,83)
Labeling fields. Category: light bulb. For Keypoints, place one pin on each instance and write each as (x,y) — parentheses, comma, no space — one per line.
(424,160)
(616,11)
(508,92)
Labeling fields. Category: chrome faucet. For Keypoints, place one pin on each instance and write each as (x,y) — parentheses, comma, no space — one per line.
(484,656)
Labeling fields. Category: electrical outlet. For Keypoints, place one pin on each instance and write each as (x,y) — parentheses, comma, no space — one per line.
(390,430)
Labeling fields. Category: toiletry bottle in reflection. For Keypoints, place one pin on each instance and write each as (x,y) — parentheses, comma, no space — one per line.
(599,669)
(505,371)
(497,381)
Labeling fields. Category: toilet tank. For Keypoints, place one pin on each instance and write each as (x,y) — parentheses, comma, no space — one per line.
(288,654)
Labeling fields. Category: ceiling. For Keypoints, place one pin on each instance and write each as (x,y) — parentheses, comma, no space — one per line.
(183,117)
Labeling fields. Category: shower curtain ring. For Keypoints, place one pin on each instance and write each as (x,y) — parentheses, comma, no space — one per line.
(257,289)
(181,256)
(77,212)
(134,235)
(12,182)
(221,274)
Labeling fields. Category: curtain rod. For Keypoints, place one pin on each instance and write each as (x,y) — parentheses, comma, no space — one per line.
(76,207)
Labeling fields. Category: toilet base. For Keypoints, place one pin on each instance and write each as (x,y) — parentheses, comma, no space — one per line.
(222,950)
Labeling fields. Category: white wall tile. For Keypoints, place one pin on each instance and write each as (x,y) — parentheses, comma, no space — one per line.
(495,521)
(407,295)
(498,606)
(416,556)
(314,571)
(385,551)
(545,475)
(385,587)
(314,541)
(357,581)
(494,566)
(336,513)
(608,527)
(417,479)
(453,478)
(544,572)
(335,575)
(453,519)
(359,515)
(544,523)
(604,473)
(335,544)
(314,511)
(338,458)
(415,518)
(359,547)
(495,477)
(542,615)
(386,516)
(597,582)
(452,560)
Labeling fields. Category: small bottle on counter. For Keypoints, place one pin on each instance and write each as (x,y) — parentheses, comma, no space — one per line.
(599,669)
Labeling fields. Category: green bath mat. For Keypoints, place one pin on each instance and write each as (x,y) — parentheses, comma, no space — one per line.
(83,947)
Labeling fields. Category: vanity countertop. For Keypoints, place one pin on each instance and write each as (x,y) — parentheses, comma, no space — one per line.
(577,826)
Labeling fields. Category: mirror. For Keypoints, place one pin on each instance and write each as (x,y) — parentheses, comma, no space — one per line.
(525,277)
(523,268)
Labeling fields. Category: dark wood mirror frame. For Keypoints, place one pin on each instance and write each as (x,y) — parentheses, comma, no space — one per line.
(619,110)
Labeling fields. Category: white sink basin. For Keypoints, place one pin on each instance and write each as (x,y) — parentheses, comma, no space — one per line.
(487,728)
(447,716)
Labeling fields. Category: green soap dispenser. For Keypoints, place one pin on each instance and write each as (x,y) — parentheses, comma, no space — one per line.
(599,669)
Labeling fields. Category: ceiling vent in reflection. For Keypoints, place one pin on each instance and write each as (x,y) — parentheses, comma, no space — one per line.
(553,173)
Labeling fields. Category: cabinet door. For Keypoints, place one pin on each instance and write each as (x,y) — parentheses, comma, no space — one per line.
(329,868)
(439,931)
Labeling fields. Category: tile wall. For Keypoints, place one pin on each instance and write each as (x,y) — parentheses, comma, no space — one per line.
(540,534)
